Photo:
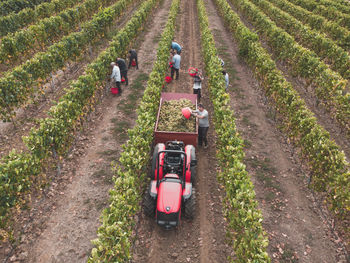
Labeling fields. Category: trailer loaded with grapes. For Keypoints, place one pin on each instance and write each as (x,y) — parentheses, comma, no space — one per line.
(171,193)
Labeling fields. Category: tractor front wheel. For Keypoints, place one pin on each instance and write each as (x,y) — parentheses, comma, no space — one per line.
(149,205)
(190,206)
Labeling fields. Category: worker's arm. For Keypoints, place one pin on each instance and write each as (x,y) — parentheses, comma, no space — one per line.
(195,113)
(199,116)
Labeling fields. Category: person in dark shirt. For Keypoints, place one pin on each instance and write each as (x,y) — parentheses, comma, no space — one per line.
(133,56)
(123,69)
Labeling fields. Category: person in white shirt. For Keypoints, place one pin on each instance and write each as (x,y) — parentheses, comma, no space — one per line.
(176,65)
(226,79)
(203,126)
(116,77)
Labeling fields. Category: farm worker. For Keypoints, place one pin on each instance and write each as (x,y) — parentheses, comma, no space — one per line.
(116,76)
(202,115)
(226,79)
(176,65)
(176,46)
(123,69)
(133,56)
(197,85)
(222,62)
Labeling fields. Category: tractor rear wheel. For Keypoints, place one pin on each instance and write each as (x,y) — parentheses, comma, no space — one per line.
(149,205)
(190,206)
(193,168)
(154,162)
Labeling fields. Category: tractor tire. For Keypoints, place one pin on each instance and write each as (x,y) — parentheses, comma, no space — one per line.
(149,205)
(190,206)
(194,168)
(154,162)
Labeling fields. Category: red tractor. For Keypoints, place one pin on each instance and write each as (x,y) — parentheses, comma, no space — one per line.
(171,193)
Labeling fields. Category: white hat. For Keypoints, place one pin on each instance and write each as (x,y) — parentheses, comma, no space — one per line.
(113,63)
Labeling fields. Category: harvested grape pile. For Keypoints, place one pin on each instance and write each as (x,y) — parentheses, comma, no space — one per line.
(171,118)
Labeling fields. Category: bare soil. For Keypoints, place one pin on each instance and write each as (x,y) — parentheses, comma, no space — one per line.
(298,226)
(61,222)
(203,238)
(11,133)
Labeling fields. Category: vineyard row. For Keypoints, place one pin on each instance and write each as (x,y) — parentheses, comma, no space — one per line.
(47,31)
(329,13)
(325,48)
(326,162)
(14,6)
(22,83)
(53,137)
(14,21)
(115,236)
(339,34)
(329,85)
(241,209)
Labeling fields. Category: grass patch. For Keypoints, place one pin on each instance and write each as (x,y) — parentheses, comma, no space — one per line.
(247,144)
(120,130)
(245,107)
(269,196)
(100,204)
(87,201)
(104,176)
(109,152)
(288,256)
(271,114)
(139,82)
(126,107)
(156,38)
(132,97)
(245,120)
(100,173)
(264,165)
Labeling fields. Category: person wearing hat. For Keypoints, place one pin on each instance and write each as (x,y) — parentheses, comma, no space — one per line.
(116,77)
(197,85)
(176,46)
(202,115)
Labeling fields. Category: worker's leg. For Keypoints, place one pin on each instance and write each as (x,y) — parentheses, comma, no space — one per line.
(124,74)
(119,88)
(197,91)
(172,72)
(137,63)
(200,136)
(130,61)
(204,135)
(177,73)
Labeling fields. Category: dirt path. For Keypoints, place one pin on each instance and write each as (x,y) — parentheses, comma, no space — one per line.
(28,116)
(203,239)
(297,225)
(307,92)
(61,225)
